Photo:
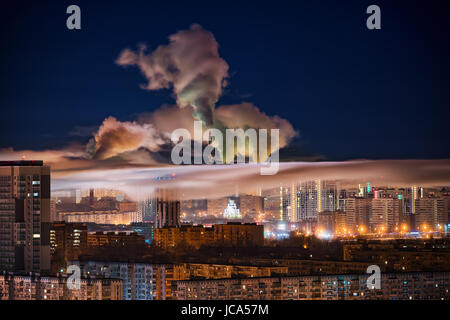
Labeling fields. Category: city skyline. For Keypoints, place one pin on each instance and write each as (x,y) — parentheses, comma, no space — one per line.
(224,151)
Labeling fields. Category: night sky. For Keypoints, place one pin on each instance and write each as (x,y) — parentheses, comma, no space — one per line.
(349,91)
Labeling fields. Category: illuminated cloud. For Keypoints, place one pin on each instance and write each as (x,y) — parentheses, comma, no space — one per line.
(247,115)
(129,155)
(115,137)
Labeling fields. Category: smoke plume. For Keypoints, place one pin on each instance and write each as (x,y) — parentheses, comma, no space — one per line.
(115,137)
(190,64)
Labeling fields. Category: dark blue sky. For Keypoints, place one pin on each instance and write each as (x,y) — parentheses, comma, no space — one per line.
(349,91)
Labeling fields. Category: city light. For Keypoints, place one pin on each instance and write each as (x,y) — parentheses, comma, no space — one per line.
(176,152)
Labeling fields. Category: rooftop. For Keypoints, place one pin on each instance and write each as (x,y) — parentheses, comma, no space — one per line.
(21,163)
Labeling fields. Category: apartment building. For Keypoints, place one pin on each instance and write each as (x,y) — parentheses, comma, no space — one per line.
(36,287)
(394,286)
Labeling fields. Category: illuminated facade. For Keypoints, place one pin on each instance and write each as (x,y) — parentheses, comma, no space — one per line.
(24,216)
(386,215)
(189,235)
(357,214)
(99,217)
(394,286)
(216,206)
(67,241)
(168,213)
(431,214)
(250,204)
(123,239)
(232,211)
(230,234)
(35,287)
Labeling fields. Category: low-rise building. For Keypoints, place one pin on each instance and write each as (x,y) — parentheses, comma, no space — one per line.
(229,234)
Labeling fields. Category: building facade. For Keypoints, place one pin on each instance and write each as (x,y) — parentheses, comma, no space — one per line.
(35,287)
(24,216)
(394,286)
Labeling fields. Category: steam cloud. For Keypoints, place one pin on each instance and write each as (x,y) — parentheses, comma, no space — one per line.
(115,137)
(190,64)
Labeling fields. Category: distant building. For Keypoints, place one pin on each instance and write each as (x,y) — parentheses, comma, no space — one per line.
(217,206)
(232,211)
(327,221)
(271,202)
(250,204)
(431,214)
(386,215)
(128,207)
(145,229)
(187,235)
(91,197)
(357,215)
(114,239)
(168,210)
(98,217)
(303,201)
(230,234)
(147,210)
(239,234)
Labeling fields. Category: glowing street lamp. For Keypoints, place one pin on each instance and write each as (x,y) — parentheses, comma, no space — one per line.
(362,229)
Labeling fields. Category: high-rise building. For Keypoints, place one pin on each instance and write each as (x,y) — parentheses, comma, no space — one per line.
(357,215)
(147,210)
(328,195)
(431,214)
(410,196)
(250,204)
(24,216)
(91,197)
(308,193)
(386,214)
(272,204)
(311,197)
(286,207)
(216,206)
(168,210)
(326,221)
